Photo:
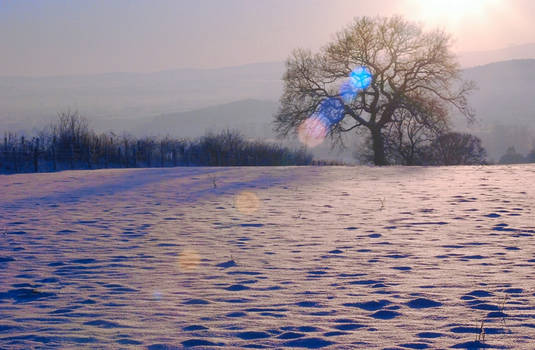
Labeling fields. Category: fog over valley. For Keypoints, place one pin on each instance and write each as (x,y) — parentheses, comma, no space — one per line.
(190,102)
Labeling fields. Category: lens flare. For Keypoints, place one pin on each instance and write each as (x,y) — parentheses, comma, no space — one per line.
(348,92)
(312,131)
(331,110)
(157,295)
(247,202)
(359,79)
(189,260)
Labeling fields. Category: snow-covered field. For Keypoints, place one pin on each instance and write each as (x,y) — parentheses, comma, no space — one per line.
(333,257)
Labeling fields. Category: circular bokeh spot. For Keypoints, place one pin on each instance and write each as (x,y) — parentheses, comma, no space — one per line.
(189,260)
(157,295)
(247,202)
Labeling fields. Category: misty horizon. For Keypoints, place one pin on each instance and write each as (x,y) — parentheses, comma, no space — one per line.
(59,38)
(466,59)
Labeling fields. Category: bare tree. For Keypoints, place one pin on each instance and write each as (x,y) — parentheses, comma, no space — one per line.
(408,69)
(70,127)
(410,132)
(54,149)
(512,157)
(530,157)
(455,148)
(71,132)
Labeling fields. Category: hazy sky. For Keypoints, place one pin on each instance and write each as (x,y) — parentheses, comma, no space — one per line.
(56,37)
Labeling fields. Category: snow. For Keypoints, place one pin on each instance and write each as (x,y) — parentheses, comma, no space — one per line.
(303,257)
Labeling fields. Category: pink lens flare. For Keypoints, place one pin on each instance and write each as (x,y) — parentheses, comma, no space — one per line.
(312,131)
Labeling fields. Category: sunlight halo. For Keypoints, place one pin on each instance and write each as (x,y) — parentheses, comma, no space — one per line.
(450,12)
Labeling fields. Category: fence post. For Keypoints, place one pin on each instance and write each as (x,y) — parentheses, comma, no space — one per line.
(106,154)
(22,153)
(36,156)
(119,155)
(72,154)
(15,159)
(161,154)
(149,154)
(54,157)
(126,153)
(6,160)
(89,165)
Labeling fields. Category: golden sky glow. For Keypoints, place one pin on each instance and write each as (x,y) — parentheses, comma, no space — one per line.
(451,11)
(462,18)
(80,37)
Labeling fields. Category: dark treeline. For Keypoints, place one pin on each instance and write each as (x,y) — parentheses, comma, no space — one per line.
(512,157)
(437,148)
(69,143)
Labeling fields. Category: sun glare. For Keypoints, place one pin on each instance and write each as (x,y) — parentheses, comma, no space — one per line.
(450,12)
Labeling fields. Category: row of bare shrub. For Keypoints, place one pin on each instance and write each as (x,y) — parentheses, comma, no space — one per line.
(69,143)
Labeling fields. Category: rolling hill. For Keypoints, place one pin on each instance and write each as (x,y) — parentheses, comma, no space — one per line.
(505,105)
(115,99)
(251,117)
(188,102)
(478,58)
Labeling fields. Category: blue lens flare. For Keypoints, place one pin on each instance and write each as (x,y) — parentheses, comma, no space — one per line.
(331,111)
(348,91)
(359,79)
(313,130)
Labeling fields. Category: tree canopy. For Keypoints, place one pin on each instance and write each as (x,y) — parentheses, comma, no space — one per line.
(454,148)
(373,72)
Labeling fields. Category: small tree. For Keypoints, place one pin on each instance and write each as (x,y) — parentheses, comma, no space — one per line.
(512,157)
(71,132)
(403,67)
(409,134)
(456,148)
(530,157)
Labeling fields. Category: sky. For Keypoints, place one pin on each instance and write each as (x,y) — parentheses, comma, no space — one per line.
(71,37)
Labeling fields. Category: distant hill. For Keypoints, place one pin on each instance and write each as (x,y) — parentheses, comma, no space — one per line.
(505,90)
(478,58)
(252,117)
(110,98)
(505,105)
(188,102)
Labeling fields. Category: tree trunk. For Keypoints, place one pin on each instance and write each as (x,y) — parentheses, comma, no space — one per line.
(378,142)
